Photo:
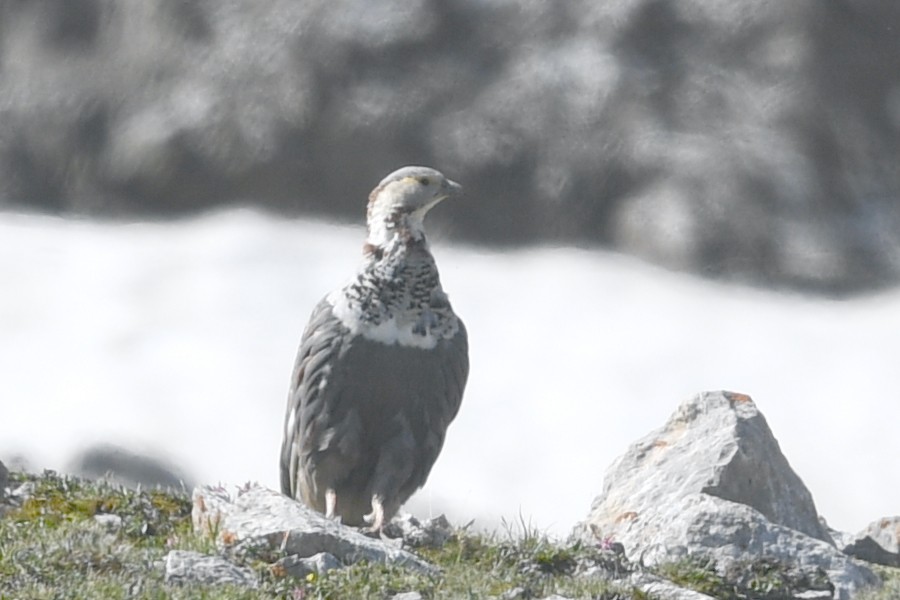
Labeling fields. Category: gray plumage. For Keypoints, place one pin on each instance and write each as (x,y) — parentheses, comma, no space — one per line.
(381,368)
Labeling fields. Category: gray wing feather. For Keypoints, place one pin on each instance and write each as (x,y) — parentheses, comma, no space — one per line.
(365,417)
(310,402)
(442,404)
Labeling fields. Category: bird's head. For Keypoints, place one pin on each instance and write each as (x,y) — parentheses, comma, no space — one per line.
(398,205)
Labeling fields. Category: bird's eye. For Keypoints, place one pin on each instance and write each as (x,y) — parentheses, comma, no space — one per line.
(424,180)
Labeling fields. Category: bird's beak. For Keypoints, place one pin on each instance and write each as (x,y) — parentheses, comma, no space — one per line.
(451,188)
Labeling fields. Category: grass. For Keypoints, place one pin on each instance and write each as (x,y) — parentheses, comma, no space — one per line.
(891,589)
(53,547)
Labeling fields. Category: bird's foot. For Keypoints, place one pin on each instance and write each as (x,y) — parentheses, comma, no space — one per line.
(375,519)
(331,504)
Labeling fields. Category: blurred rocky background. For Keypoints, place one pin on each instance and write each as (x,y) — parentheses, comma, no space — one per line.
(752,140)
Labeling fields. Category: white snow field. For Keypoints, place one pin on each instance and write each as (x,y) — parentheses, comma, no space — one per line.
(177,340)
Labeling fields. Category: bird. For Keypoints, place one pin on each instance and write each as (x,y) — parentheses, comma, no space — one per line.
(381,368)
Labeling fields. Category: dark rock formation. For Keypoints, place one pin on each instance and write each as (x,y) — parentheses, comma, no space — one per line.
(758,140)
(127,468)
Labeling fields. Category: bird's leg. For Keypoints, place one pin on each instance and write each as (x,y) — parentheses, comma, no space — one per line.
(375,519)
(330,503)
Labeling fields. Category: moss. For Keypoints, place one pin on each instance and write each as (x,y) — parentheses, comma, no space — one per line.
(148,517)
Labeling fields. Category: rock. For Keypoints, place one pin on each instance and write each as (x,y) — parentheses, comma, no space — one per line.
(878,543)
(4,480)
(183,566)
(109,522)
(717,444)
(407,596)
(433,533)
(713,482)
(259,518)
(813,595)
(516,593)
(298,567)
(23,492)
(119,465)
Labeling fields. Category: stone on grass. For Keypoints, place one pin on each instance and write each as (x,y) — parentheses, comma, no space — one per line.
(110,522)
(23,492)
(407,596)
(4,479)
(299,568)
(183,566)
(879,542)
(257,518)
(713,481)
(431,533)
(516,593)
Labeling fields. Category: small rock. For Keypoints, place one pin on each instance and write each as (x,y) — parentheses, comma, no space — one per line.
(298,567)
(23,492)
(110,522)
(433,533)
(407,596)
(4,480)
(813,595)
(182,566)
(517,593)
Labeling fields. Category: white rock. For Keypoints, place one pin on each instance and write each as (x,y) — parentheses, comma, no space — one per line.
(407,596)
(109,522)
(260,517)
(713,481)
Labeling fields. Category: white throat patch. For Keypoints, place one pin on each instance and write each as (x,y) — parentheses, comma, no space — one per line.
(418,329)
